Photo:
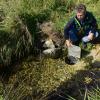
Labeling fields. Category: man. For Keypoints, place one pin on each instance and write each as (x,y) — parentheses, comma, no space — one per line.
(82,27)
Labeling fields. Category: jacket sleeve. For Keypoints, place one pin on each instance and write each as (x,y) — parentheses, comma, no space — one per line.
(94,25)
(67,28)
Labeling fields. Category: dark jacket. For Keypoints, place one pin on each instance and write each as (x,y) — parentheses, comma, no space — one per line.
(89,23)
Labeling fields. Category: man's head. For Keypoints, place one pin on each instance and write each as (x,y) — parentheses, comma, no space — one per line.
(80,11)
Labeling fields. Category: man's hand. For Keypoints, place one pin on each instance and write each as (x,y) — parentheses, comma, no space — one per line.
(68,43)
(90,36)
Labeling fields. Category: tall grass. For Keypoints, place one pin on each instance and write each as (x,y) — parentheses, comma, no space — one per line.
(23,15)
(94,94)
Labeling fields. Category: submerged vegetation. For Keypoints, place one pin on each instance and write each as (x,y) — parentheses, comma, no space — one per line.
(26,77)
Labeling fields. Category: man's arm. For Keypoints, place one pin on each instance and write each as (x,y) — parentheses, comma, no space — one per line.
(93,25)
(66,32)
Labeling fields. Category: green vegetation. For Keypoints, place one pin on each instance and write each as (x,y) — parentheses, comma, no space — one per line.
(40,78)
(94,95)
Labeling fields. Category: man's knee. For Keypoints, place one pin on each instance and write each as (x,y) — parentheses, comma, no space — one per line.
(85,39)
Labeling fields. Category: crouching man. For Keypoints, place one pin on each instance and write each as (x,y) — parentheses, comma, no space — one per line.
(82,27)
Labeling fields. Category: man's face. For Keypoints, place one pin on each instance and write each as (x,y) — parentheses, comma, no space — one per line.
(80,15)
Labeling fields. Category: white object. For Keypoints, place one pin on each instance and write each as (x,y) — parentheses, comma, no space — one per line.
(74,51)
(49,51)
(51,47)
(49,43)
